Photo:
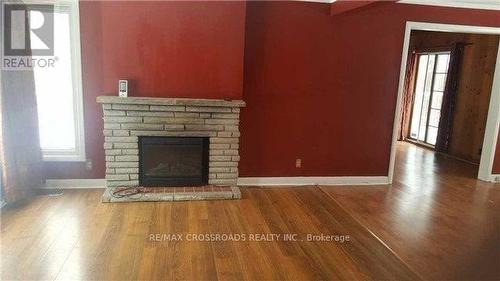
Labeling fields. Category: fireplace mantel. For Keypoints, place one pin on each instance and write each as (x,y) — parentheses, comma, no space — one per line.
(170,101)
(127,119)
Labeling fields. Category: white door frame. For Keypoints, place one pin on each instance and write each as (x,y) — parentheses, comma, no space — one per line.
(493,121)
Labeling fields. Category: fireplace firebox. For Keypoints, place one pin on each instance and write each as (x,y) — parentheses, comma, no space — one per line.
(173,161)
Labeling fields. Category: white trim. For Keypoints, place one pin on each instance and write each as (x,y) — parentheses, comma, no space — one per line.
(492,124)
(242,181)
(397,114)
(75,184)
(491,132)
(495,178)
(77,76)
(297,181)
(76,68)
(483,5)
(318,1)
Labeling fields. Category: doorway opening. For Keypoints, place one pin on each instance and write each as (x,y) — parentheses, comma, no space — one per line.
(449,94)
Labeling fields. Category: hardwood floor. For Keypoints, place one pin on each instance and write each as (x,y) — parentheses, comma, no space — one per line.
(76,237)
(433,222)
(441,221)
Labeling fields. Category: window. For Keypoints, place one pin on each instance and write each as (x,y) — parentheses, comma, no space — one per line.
(59,91)
(429,88)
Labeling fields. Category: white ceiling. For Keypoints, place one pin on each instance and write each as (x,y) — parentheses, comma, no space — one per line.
(471,4)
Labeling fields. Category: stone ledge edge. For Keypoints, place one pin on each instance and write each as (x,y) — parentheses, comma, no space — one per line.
(170,101)
(235,193)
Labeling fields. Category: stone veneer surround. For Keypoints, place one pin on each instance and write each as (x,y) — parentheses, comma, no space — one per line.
(125,119)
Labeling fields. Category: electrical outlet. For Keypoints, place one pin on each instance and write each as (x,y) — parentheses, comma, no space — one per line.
(298,163)
(89,165)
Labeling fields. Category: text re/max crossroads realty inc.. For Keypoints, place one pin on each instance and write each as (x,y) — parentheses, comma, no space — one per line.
(254,237)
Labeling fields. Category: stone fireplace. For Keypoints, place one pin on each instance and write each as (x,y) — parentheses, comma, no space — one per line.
(129,122)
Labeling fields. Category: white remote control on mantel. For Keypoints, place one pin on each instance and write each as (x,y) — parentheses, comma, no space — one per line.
(122,88)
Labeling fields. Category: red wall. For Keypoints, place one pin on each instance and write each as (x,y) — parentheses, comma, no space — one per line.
(324,88)
(317,87)
(179,49)
(165,48)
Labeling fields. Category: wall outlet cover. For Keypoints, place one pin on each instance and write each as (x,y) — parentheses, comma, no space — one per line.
(89,165)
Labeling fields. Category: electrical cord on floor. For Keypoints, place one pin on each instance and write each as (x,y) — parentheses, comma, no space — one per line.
(126,192)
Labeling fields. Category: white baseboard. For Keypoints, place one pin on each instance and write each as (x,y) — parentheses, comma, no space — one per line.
(250,181)
(281,181)
(243,181)
(495,178)
(75,183)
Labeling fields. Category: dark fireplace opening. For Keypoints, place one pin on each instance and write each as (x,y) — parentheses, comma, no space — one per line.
(173,161)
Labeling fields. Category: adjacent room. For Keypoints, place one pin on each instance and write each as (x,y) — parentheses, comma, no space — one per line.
(448,83)
(250,140)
